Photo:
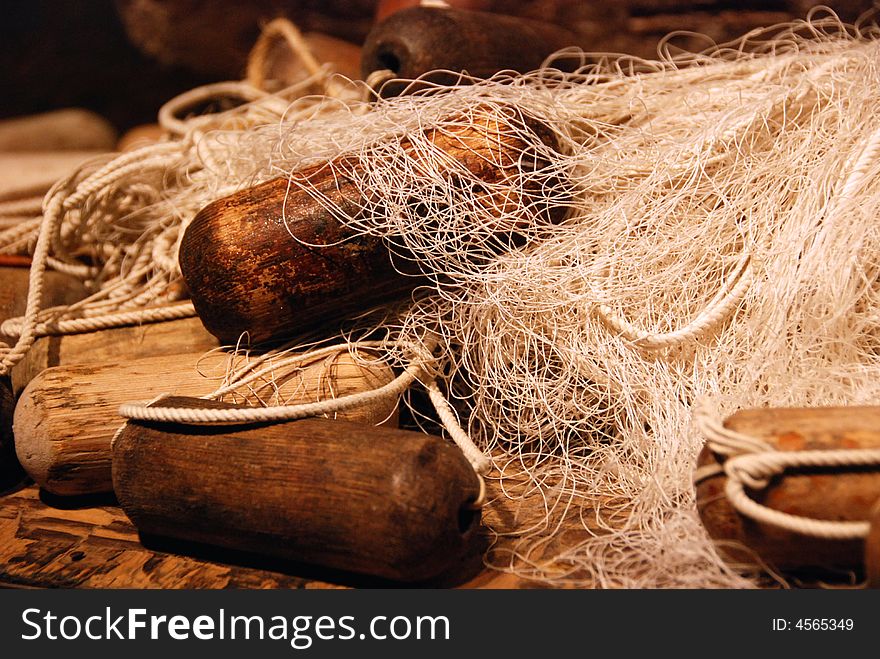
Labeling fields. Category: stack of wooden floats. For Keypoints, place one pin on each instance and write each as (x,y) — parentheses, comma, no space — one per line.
(323,491)
(353,493)
(353,499)
(36,151)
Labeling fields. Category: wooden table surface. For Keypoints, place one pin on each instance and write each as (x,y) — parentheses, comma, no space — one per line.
(88,542)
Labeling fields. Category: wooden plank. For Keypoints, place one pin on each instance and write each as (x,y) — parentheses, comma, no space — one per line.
(93,545)
(172,337)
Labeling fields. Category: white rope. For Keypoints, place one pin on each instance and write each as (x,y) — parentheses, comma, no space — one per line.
(263,366)
(14,326)
(719,308)
(755,470)
(52,216)
(141,412)
(378,78)
(21,229)
(168,113)
(158,413)
(251,372)
(120,209)
(751,463)
(479,461)
(858,176)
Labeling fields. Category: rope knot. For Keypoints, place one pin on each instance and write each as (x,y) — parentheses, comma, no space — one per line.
(751,469)
(751,463)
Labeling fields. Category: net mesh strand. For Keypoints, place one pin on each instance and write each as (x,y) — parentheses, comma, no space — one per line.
(719,240)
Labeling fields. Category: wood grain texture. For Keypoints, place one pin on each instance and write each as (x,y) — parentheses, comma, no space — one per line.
(57,289)
(417,40)
(829,494)
(274,259)
(173,337)
(89,542)
(66,417)
(94,545)
(249,265)
(379,501)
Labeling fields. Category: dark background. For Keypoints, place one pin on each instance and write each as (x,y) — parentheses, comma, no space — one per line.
(124,58)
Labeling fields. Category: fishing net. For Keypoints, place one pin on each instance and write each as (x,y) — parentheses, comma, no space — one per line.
(698,227)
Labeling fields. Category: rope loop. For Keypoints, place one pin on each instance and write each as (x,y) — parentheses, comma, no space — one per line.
(752,463)
(415,371)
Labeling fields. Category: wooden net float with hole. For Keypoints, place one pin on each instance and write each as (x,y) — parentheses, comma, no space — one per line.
(444,42)
(170,337)
(274,259)
(375,500)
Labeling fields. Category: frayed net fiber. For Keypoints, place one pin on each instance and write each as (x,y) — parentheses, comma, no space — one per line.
(719,240)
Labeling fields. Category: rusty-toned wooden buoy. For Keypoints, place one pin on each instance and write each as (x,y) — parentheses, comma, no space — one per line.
(66,417)
(823,493)
(444,42)
(248,274)
(275,259)
(379,501)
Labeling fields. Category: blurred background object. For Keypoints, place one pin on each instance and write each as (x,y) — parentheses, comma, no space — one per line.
(124,58)
(57,54)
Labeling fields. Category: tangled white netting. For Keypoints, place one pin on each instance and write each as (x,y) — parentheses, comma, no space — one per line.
(719,239)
